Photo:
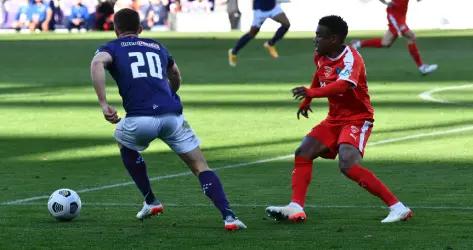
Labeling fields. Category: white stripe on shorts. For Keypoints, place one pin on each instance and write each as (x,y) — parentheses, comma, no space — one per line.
(394,23)
(365,128)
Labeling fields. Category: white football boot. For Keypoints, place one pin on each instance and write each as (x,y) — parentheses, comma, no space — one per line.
(426,69)
(149,210)
(293,212)
(233,224)
(398,212)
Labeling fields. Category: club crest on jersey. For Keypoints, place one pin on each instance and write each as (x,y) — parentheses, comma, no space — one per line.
(354,130)
(327,71)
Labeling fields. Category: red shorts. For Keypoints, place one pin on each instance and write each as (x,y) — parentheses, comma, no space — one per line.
(331,134)
(397,24)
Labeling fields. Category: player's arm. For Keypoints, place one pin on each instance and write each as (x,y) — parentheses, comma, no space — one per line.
(97,73)
(304,106)
(338,87)
(174,76)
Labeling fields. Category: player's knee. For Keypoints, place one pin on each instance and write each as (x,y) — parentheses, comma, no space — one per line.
(411,39)
(286,25)
(388,43)
(347,158)
(301,151)
(253,32)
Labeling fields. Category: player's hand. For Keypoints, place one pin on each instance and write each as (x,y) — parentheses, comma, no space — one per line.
(304,111)
(300,93)
(110,114)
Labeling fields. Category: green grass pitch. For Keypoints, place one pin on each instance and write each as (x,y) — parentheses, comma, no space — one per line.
(52,135)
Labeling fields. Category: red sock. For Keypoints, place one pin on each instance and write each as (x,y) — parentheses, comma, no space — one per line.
(414,53)
(301,177)
(370,182)
(374,43)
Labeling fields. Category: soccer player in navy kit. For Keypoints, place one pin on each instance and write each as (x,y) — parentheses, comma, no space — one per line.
(262,10)
(148,79)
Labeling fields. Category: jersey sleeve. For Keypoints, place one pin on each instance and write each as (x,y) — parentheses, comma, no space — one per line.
(352,69)
(105,48)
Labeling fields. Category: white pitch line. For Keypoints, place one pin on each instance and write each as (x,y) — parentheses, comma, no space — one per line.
(113,204)
(427,95)
(245,164)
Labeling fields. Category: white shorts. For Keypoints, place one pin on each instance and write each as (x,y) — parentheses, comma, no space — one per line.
(137,132)
(260,16)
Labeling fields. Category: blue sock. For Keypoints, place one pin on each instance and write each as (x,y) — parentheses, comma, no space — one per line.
(278,35)
(241,43)
(213,189)
(136,167)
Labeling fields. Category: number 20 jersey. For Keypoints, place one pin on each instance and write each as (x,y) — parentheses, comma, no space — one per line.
(139,68)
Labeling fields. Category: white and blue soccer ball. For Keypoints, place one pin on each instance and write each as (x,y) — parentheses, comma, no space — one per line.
(64,204)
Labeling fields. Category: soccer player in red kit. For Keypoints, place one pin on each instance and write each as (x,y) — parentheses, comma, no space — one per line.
(397,10)
(340,77)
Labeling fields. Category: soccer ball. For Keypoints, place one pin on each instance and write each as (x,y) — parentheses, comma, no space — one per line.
(64,204)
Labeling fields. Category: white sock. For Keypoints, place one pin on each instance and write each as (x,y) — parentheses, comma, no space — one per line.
(398,205)
(295,205)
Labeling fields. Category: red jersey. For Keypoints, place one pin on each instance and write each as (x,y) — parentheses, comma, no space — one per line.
(398,7)
(354,104)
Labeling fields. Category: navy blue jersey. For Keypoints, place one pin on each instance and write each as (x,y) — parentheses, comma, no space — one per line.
(264,5)
(140,69)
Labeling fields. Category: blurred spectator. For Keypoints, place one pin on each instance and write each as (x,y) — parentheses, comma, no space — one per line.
(22,19)
(79,16)
(104,16)
(175,6)
(54,15)
(121,4)
(197,6)
(3,13)
(37,15)
(234,14)
(157,13)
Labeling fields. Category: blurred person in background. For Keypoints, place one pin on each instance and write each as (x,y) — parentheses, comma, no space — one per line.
(262,10)
(54,15)
(397,11)
(175,6)
(37,15)
(199,6)
(22,19)
(156,14)
(79,16)
(104,15)
(234,14)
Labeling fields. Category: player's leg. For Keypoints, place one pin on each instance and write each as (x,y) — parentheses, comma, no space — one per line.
(414,52)
(285,24)
(232,53)
(312,146)
(33,25)
(181,139)
(258,19)
(133,134)
(353,140)
(383,42)
(245,39)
